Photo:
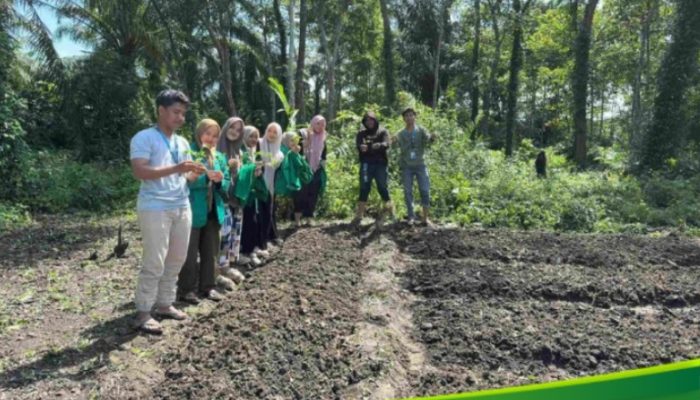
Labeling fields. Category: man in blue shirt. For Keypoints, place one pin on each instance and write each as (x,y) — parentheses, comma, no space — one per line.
(160,160)
(413,140)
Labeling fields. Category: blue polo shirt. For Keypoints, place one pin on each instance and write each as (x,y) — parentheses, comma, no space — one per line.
(169,192)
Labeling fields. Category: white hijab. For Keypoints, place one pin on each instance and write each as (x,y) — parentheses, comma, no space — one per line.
(271,155)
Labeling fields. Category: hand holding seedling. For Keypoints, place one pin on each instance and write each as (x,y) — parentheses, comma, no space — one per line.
(233,163)
(376,146)
(363,147)
(188,166)
(215,176)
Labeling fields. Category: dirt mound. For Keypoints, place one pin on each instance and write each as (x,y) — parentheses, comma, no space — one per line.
(283,334)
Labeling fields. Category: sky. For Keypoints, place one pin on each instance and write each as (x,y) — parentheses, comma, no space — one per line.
(64,46)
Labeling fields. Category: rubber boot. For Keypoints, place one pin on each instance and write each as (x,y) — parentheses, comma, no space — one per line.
(361,207)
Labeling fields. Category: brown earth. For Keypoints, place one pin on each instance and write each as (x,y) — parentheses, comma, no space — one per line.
(340,313)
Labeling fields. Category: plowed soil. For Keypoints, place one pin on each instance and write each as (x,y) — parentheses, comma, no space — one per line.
(343,313)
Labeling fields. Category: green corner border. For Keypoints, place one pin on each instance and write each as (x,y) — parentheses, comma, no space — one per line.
(677,381)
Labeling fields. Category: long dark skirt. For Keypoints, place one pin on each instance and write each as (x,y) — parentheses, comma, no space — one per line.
(305,200)
(270,220)
(253,233)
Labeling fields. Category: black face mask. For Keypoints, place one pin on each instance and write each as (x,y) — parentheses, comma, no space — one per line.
(374,129)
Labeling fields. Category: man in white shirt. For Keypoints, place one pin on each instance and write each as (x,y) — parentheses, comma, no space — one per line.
(159,158)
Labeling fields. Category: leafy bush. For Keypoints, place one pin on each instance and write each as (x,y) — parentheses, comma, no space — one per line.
(55,182)
(471,184)
(13,216)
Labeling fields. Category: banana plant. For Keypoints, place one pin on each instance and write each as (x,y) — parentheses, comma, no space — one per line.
(288,110)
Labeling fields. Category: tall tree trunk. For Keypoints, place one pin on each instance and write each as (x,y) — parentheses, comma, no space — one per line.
(290,59)
(516,63)
(7,53)
(389,82)
(648,17)
(329,70)
(494,7)
(443,19)
(475,64)
(282,32)
(668,129)
(532,73)
(299,92)
(224,52)
(333,55)
(317,96)
(590,103)
(270,73)
(579,82)
(436,68)
(602,113)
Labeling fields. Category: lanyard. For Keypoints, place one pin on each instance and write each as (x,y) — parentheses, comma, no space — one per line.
(174,154)
(413,137)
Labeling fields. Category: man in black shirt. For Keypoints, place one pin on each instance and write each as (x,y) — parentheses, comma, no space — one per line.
(372,144)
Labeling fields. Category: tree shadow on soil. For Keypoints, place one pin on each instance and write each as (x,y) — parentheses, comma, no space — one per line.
(106,337)
(51,239)
(366,233)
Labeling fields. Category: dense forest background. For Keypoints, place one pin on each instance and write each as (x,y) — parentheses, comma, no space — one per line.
(608,89)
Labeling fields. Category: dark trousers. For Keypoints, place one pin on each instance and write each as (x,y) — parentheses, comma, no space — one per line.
(306,199)
(205,243)
(269,220)
(259,225)
(374,172)
(251,233)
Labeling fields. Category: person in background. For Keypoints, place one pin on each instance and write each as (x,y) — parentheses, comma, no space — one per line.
(230,144)
(251,193)
(160,160)
(413,140)
(294,171)
(313,146)
(372,144)
(208,194)
(272,157)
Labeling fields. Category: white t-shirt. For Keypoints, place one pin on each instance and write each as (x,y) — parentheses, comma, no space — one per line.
(169,192)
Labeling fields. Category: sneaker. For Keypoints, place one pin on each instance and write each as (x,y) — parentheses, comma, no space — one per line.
(191,298)
(235,275)
(255,260)
(263,253)
(238,276)
(242,260)
(213,295)
(278,242)
(225,283)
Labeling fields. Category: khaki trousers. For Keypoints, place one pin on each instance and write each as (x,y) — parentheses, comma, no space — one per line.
(166,235)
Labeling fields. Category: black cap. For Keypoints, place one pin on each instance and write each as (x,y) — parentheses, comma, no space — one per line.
(407,109)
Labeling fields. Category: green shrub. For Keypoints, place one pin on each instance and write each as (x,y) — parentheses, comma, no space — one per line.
(13,216)
(471,184)
(54,182)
